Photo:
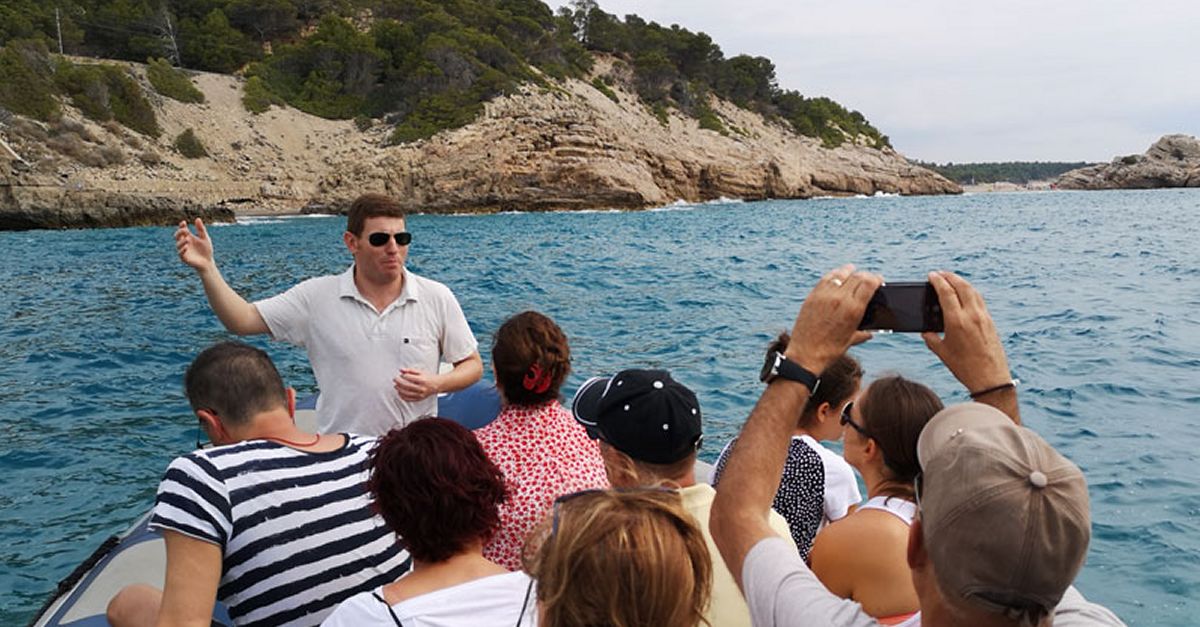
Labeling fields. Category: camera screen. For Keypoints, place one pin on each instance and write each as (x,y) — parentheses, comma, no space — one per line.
(904,307)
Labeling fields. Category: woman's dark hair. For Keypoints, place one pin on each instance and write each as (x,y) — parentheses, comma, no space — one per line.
(894,411)
(436,488)
(531,357)
(838,381)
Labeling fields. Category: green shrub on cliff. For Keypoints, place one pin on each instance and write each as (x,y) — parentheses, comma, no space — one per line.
(605,89)
(709,120)
(171,82)
(26,84)
(256,97)
(329,74)
(676,67)
(432,115)
(189,145)
(106,92)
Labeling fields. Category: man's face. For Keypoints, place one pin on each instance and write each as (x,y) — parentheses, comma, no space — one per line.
(379,264)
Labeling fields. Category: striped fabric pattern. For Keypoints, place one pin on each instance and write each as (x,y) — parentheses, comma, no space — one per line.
(296,528)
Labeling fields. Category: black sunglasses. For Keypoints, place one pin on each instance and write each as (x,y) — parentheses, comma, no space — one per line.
(846,420)
(403,238)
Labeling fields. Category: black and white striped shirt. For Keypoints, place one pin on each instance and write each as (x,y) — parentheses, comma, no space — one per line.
(296,529)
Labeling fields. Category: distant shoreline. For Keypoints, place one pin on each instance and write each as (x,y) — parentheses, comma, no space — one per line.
(1006,186)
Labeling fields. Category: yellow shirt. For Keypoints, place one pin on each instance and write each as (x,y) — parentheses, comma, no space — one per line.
(728,608)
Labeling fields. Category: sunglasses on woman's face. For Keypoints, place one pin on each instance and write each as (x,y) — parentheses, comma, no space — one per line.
(847,420)
(403,238)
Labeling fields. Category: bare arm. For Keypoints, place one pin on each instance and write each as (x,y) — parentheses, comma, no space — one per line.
(970,346)
(193,574)
(196,250)
(826,326)
(414,385)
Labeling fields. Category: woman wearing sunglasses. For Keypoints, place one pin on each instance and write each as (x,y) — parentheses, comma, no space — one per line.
(817,486)
(620,558)
(863,556)
(436,489)
(538,445)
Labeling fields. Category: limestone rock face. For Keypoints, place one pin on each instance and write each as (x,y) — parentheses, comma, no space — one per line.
(565,146)
(1173,161)
(575,148)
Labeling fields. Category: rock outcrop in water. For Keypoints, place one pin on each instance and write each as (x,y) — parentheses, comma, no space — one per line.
(36,202)
(1173,161)
(566,147)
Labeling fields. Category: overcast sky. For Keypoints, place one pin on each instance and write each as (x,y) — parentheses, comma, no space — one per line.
(966,80)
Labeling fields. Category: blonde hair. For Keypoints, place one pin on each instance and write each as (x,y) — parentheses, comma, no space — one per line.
(620,559)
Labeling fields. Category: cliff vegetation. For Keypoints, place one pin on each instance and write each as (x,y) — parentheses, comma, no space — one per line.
(421,66)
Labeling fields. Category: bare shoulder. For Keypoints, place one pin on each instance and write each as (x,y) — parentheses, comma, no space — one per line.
(855,538)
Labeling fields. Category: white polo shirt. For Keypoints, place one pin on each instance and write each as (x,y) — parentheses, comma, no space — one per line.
(356,351)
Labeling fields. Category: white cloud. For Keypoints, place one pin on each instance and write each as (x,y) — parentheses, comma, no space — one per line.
(954,80)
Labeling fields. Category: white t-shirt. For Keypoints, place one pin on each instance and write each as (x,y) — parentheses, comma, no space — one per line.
(495,600)
(782,592)
(356,351)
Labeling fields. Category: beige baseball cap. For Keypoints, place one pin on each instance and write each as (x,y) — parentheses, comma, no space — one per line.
(1005,516)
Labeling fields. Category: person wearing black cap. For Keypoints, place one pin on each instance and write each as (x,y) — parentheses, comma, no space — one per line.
(649,428)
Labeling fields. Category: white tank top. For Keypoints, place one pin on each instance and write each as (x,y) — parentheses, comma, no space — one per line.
(894,505)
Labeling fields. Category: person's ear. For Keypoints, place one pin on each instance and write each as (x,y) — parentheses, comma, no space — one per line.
(212,424)
(871,448)
(824,410)
(350,239)
(915,553)
(291,403)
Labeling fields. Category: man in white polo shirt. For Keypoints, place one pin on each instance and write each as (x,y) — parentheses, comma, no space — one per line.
(375,334)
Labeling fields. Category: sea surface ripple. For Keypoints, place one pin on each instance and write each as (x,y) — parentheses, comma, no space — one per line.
(1096,295)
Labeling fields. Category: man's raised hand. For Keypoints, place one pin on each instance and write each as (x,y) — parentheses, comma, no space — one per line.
(970,346)
(194,250)
(828,321)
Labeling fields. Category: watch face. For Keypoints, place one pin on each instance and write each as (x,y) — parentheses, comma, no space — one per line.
(768,370)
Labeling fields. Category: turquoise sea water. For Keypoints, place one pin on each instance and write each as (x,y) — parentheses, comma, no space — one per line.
(1097,297)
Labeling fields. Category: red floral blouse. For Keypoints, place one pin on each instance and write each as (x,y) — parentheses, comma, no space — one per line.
(544,454)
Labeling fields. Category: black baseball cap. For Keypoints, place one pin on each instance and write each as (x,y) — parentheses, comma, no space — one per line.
(643,413)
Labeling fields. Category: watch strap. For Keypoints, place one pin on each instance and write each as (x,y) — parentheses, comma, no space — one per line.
(782,367)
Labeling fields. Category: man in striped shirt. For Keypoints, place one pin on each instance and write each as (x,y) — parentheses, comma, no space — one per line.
(274,522)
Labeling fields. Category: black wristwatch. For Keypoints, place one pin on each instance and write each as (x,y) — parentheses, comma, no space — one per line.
(779,366)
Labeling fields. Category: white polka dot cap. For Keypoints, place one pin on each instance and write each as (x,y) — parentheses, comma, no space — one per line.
(645,414)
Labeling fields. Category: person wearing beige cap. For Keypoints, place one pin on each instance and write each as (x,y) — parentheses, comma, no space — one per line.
(1002,524)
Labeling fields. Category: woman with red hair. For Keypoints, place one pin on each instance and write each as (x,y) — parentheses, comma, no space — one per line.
(538,445)
(436,488)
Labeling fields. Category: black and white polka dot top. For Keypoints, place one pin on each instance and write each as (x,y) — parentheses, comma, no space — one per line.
(801,496)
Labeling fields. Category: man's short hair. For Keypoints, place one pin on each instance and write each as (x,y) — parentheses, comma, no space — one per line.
(369,206)
(235,381)
(1005,516)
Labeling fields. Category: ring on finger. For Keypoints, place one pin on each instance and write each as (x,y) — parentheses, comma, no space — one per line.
(837,282)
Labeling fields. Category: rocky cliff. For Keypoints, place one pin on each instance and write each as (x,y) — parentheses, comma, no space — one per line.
(1173,161)
(567,146)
